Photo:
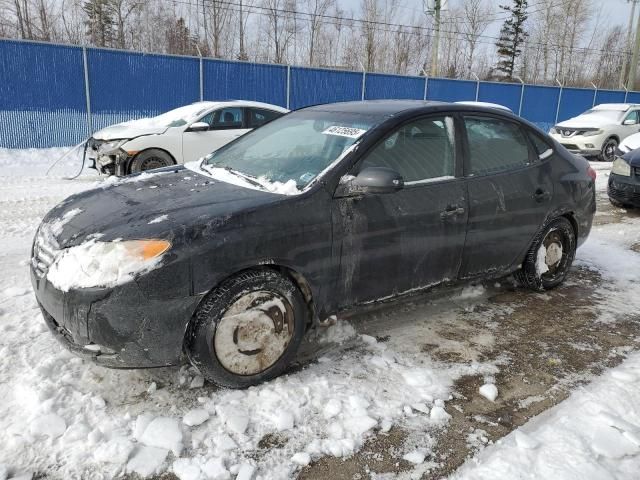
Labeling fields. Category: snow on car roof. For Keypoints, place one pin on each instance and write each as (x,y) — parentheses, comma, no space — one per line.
(621,107)
(485,104)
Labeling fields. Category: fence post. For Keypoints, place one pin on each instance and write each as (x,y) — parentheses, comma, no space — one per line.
(201,74)
(201,80)
(477,85)
(559,100)
(521,96)
(426,84)
(595,93)
(364,80)
(87,90)
(288,86)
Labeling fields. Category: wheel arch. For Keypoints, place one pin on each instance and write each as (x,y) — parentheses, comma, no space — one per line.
(296,277)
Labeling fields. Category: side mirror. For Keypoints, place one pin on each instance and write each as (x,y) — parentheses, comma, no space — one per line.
(199,127)
(629,121)
(374,180)
(546,154)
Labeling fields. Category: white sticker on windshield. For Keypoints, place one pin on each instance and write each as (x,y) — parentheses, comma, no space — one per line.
(344,131)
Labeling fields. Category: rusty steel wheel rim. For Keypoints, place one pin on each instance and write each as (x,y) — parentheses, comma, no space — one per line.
(254,332)
(554,253)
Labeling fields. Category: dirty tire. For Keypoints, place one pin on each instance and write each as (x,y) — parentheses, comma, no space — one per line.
(616,203)
(236,349)
(608,151)
(150,159)
(557,231)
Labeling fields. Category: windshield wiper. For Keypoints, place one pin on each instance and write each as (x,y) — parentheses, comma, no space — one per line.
(248,178)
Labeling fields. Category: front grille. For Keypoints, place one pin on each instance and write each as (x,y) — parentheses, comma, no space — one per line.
(570,146)
(624,193)
(45,250)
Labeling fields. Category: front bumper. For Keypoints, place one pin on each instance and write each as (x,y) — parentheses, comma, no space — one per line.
(116,327)
(108,162)
(586,146)
(625,190)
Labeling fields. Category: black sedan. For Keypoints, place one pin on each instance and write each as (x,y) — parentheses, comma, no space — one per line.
(228,261)
(624,181)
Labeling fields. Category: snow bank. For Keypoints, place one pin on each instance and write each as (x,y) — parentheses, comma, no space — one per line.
(594,435)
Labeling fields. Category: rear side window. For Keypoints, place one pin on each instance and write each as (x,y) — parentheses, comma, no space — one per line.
(260,116)
(539,144)
(419,150)
(495,145)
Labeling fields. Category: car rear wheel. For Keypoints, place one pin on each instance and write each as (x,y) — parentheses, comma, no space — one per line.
(608,152)
(247,330)
(550,257)
(150,159)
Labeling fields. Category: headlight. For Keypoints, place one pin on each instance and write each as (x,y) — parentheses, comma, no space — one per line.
(591,133)
(111,146)
(553,131)
(620,167)
(105,264)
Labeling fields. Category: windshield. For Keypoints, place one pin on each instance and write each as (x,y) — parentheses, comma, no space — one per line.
(173,118)
(614,115)
(294,148)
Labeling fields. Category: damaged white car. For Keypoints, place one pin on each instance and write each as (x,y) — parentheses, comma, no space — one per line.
(178,136)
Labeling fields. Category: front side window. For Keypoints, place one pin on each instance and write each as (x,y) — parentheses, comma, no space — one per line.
(632,116)
(224,119)
(495,145)
(420,150)
(260,116)
(297,147)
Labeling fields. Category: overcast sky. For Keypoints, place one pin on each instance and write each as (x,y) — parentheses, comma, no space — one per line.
(617,11)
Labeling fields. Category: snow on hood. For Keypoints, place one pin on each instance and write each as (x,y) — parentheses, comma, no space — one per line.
(587,121)
(131,129)
(632,142)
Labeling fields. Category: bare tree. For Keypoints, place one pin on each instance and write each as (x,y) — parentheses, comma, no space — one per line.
(476,17)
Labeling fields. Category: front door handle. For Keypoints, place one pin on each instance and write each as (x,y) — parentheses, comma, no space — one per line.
(452,211)
(541,195)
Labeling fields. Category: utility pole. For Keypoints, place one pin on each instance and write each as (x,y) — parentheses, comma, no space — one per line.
(437,6)
(243,54)
(634,61)
(625,58)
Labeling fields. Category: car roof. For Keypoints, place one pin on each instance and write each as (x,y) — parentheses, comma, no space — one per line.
(387,108)
(485,104)
(240,103)
(374,107)
(620,107)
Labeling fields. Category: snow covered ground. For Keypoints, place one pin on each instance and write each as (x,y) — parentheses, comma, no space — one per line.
(65,418)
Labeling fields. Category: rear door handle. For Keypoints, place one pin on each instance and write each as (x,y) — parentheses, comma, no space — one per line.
(452,211)
(541,195)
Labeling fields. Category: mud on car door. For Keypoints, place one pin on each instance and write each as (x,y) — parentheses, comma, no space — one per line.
(411,237)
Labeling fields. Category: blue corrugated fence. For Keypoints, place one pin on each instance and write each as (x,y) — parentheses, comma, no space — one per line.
(54,95)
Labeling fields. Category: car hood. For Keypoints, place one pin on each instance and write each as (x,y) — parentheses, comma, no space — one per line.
(159,204)
(132,129)
(633,158)
(632,142)
(585,121)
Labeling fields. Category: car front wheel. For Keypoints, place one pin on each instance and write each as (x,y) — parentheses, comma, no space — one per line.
(247,330)
(550,257)
(150,159)
(608,152)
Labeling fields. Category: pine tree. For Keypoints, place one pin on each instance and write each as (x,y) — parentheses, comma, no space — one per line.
(100,22)
(512,36)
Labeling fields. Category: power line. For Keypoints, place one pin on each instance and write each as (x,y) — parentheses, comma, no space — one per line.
(397,28)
